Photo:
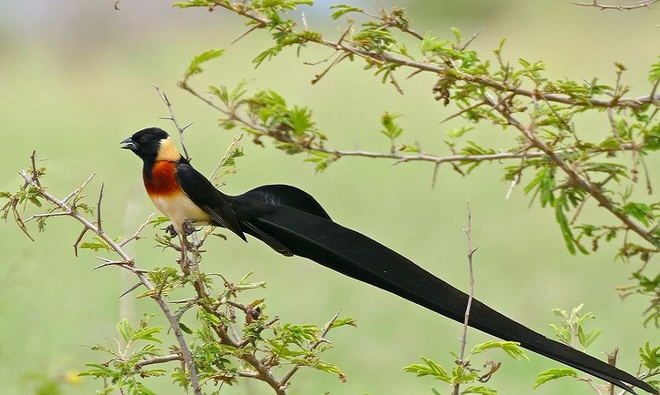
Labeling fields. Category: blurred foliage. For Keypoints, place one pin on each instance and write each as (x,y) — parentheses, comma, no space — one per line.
(561,167)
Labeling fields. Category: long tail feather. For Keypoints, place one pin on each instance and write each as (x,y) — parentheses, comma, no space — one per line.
(364,259)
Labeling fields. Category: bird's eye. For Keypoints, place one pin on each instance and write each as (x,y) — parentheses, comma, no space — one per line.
(143,139)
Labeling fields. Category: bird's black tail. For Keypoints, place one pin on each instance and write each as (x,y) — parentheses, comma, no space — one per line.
(364,259)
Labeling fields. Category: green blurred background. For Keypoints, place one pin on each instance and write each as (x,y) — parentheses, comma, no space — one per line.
(76,78)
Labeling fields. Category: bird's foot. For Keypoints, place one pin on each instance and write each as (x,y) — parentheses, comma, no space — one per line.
(170,231)
(188,228)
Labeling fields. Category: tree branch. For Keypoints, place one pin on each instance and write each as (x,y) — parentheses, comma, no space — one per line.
(639,4)
(128,263)
(470,254)
(572,174)
(383,57)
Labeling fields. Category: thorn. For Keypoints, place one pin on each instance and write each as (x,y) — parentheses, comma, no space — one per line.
(131,289)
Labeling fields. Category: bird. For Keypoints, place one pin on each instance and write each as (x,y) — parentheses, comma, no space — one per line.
(292,222)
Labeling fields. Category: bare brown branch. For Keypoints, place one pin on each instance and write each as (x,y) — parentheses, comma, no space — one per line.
(470,254)
(600,6)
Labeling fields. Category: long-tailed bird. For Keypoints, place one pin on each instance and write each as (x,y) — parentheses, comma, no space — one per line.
(293,223)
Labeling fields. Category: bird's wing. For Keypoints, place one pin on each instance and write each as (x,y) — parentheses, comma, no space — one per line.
(288,196)
(202,192)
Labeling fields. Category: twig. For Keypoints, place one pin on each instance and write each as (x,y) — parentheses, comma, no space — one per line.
(172,118)
(611,359)
(123,264)
(45,215)
(472,38)
(470,254)
(463,111)
(325,71)
(98,209)
(76,192)
(402,158)
(35,173)
(154,360)
(79,239)
(245,33)
(136,235)
(639,4)
(228,153)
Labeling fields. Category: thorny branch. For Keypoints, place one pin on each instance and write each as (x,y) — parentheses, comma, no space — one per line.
(125,261)
(446,71)
(575,178)
(190,253)
(398,157)
(470,254)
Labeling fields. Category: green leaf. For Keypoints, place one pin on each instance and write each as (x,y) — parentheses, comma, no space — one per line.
(457,34)
(343,9)
(543,185)
(195,66)
(513,349)
(553,374)
(650,356)
(125,330)
(99,370)
(267,55)
(390,129)
(572,244)
(652,138)
(640,211)
(193,3)
(429,368)
(339,322)
(96,245)
(654,73)
(459,132)
(479,389)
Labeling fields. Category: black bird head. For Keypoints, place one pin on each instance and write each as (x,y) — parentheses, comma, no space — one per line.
(149,143)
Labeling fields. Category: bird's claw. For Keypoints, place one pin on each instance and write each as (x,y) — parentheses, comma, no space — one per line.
(170,231)
(188,228)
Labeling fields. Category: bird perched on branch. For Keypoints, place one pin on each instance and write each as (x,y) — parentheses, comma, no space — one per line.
(292,222)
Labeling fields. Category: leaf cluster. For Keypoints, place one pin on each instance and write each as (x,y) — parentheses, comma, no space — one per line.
(123,371)
(464,373)
(572,332)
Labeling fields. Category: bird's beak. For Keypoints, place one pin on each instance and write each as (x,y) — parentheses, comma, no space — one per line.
(129,144)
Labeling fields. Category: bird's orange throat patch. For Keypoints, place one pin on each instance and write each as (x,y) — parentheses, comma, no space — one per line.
(162,180)
(167,151)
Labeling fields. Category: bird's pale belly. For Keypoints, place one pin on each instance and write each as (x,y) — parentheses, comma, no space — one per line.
(179,208)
